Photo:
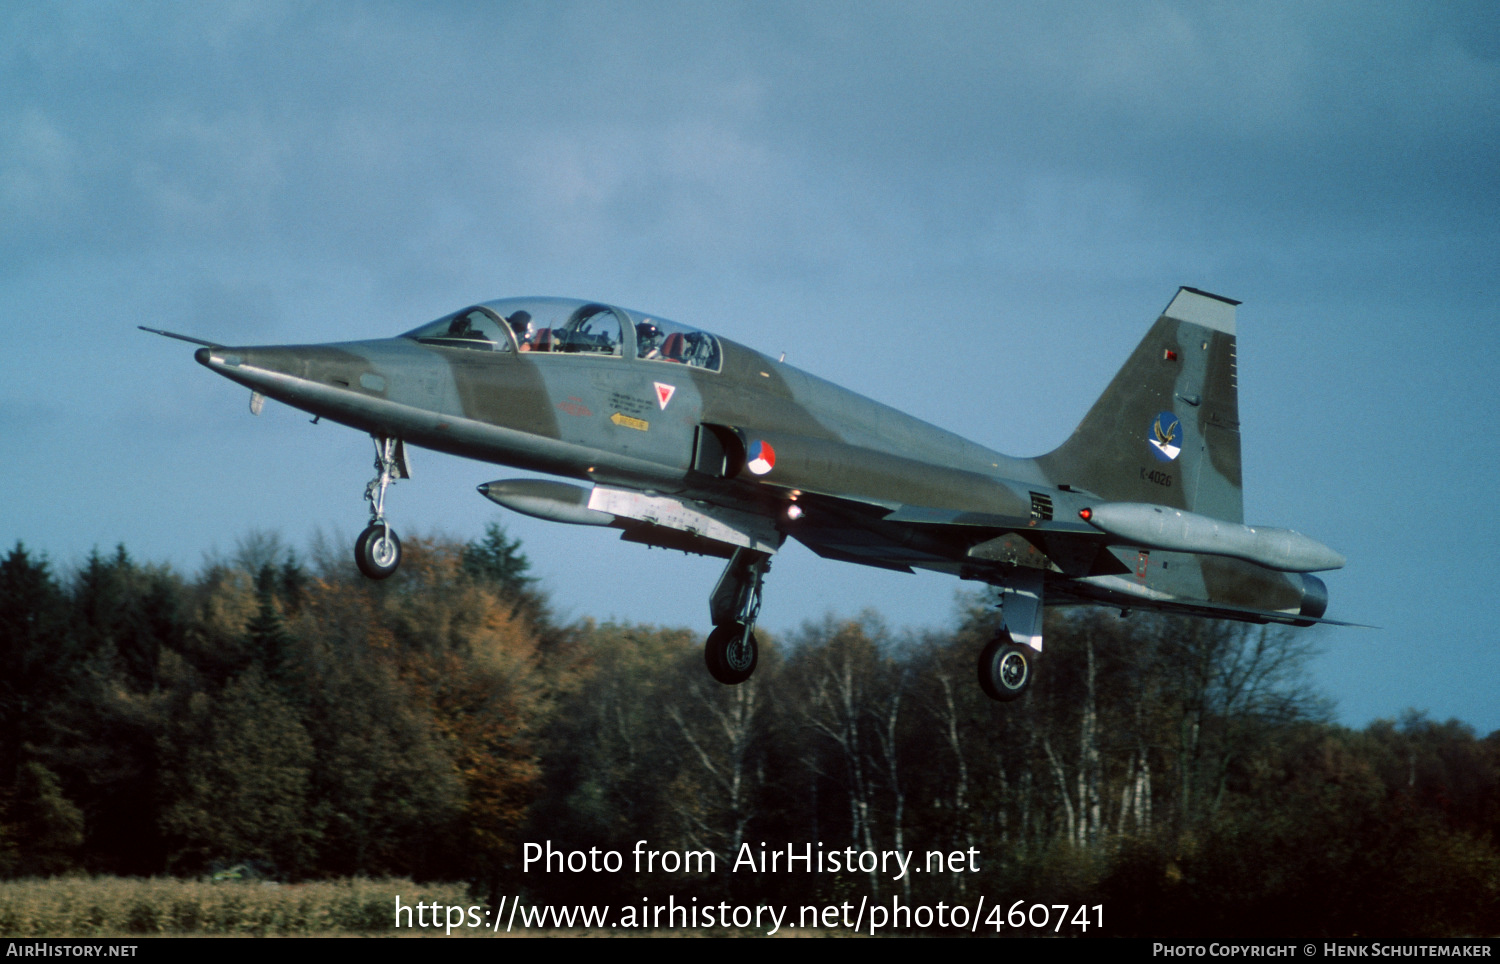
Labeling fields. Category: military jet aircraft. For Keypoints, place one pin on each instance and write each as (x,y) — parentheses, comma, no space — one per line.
(688,441)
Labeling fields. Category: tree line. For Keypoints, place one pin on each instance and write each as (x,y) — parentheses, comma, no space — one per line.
(285,717)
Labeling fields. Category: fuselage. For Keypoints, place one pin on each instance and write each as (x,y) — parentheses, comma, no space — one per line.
(617,417)
(623,399)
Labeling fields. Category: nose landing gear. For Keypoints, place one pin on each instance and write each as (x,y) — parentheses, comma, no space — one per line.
(377,551)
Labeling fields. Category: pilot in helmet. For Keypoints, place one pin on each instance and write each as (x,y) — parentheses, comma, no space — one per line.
(647,340)
(520,324)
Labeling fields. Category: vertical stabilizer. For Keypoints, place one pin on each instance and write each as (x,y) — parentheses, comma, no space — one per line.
(1167,429)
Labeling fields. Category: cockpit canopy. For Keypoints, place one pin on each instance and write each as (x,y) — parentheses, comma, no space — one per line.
(566,327)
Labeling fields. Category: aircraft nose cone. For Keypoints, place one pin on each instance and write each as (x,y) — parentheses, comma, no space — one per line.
(201,356)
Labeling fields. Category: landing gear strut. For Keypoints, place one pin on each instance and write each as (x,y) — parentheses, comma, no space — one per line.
(1007,662)
(377,551)
(731,651)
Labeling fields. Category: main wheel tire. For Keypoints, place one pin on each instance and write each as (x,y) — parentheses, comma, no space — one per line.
(377,551)
(1005,669)
(728,660)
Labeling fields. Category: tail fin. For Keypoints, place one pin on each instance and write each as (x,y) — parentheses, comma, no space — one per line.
(1167,429)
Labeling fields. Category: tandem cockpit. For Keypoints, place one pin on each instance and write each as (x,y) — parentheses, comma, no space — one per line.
(562,326)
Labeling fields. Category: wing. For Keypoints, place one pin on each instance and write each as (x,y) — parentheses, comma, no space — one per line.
(1077,563)
(971,545)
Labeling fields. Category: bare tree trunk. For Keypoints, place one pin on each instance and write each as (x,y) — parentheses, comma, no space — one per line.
(1071,826)
(887,739)
(726,758)
(948,717)
(838,701)
(1135,797)
(1143,794)
(1090,806)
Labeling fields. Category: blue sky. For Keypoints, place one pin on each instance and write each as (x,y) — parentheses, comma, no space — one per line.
(970,211)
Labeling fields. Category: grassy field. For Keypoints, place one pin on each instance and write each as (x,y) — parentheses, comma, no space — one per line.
(108,906)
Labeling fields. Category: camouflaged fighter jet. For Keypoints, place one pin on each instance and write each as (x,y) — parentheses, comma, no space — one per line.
(689,441)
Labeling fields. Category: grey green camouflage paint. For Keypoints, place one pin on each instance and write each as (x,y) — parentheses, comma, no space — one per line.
(870,484)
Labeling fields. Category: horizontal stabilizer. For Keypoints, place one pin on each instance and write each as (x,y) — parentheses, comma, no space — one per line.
(1246,613)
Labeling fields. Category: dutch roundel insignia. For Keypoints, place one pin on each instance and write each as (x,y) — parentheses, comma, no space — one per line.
(760,458)
(1165,436)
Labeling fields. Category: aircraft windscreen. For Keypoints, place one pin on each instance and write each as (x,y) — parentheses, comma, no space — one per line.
(569,327)
(592,330)
(552,325)
(476,328)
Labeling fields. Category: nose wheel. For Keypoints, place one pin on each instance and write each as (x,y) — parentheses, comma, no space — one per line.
(377,551)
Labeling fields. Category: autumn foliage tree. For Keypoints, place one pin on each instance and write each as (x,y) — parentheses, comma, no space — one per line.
(292,721)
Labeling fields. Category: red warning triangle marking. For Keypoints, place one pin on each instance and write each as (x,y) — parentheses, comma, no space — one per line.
(664,393)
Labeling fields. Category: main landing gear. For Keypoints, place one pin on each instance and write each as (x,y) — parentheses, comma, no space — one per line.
(1005,668)
(377,551)
(731,651)
(1007,662)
